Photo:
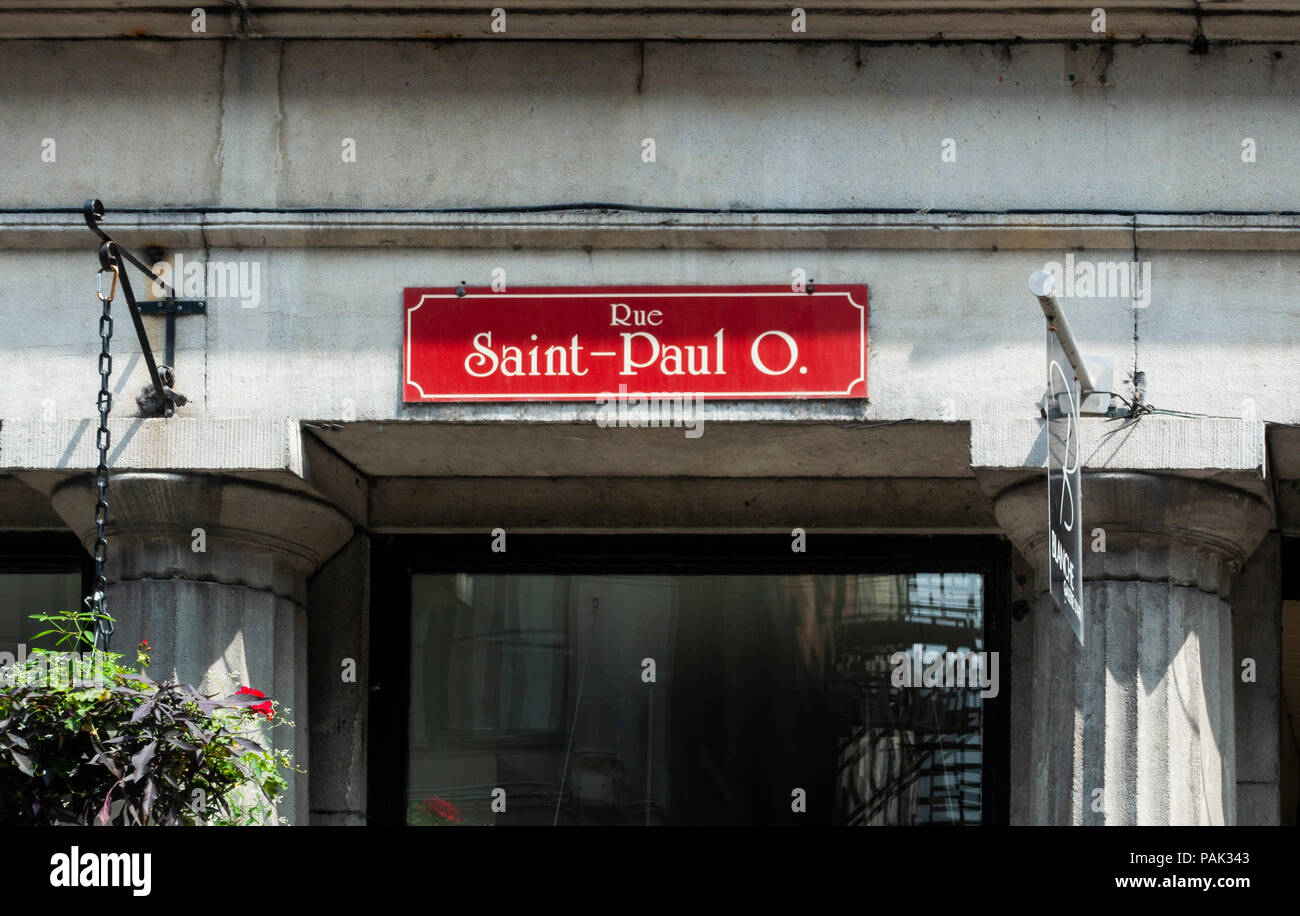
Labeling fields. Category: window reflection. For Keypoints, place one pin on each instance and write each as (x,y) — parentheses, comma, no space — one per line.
(761,685)
(24,594)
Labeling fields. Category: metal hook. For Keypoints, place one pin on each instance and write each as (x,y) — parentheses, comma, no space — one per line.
(93,211)
(99,283)
(108,259)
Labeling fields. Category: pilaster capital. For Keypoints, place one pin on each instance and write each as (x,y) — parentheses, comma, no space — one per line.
(207,527)
(1154,528)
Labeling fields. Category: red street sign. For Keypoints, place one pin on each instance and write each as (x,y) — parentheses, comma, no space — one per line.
(581,343)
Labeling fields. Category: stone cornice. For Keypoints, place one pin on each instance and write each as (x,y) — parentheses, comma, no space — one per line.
(864,20)
(648,228)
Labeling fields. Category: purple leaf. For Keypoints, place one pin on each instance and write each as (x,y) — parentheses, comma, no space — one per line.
(150,795)
(103,809)
(141,760)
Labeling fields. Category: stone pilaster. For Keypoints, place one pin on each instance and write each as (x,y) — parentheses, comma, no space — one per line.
(1137,726)
(213,571)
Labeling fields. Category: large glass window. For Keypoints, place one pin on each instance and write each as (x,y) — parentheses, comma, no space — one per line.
(694,698)
(24,594)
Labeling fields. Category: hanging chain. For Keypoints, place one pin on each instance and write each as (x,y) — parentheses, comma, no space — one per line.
(99,603)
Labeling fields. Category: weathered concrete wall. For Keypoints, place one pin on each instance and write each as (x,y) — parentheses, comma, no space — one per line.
(953,334)
(1039,126)
(955,339)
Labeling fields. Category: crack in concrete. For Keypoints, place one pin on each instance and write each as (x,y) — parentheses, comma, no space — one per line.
(218,154)
(279,120)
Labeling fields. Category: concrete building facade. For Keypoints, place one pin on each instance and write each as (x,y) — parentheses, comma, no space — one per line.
(326,158)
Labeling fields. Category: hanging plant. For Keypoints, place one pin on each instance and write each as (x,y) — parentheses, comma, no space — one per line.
(85,740)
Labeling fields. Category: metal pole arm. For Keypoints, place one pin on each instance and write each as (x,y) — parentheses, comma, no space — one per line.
(1043,285)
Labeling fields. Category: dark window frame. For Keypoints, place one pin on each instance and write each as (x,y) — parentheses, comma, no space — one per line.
(1290,563)
(395,558)
(45,551)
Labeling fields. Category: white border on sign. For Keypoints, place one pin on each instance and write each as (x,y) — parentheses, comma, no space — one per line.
(862,347)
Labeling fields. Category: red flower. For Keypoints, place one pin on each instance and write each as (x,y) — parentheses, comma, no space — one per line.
(441,808)
(144,644)
(264,708)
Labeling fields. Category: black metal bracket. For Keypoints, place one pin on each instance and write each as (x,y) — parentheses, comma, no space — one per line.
(174,307)
(157,400)
(170,308)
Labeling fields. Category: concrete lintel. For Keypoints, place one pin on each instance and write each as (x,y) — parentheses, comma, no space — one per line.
(741,447)
(329,474)
(648,505)
(623,229)
(1284,462)
(1284,451)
